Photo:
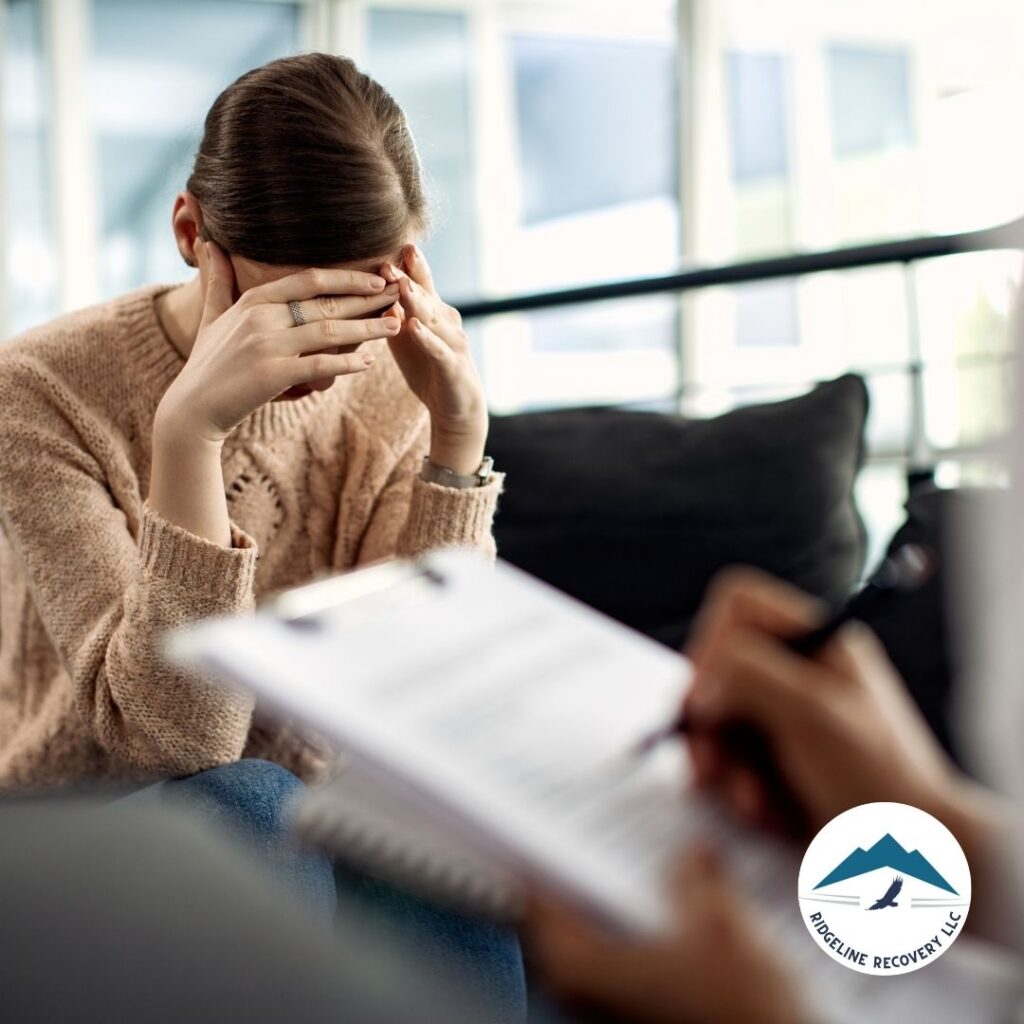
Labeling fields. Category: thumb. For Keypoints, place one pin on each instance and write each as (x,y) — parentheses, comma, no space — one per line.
(220,280)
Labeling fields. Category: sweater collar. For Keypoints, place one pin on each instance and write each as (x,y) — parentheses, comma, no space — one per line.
(159,362)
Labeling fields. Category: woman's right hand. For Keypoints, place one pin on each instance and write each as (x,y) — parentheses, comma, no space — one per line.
(249,352)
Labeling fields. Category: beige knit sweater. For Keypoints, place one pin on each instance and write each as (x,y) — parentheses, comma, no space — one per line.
(91,578)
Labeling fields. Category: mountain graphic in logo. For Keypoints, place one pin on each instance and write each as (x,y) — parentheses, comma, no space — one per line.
(886,853)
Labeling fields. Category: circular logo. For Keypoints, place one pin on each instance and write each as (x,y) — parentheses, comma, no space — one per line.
(884,889)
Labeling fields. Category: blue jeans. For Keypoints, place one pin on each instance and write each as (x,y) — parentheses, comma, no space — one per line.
(250,798)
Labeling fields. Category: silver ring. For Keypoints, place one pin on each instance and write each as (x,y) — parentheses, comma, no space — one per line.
(296,308)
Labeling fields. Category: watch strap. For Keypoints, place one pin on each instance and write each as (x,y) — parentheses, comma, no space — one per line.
(435,474)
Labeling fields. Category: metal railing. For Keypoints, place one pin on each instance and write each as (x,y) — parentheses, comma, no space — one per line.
(906,252)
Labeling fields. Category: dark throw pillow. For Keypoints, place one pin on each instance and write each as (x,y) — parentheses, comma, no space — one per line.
(634,512)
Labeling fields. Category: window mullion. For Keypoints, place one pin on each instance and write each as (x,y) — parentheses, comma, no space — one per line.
(76,196)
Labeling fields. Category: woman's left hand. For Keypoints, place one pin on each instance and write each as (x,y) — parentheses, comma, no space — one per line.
(432,352)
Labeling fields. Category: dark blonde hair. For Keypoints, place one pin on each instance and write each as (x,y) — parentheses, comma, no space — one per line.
(307,161)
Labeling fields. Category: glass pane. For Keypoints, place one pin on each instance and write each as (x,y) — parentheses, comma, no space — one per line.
(892,120)
(968,405)
(988,472)
(156,69)
(567,92)
(966,339)
(766,315)
(870,94)
(604,353)
(797,331)
(31,258)
(888,430)
(598,181)
(758,112)
(434,93)
(881,493)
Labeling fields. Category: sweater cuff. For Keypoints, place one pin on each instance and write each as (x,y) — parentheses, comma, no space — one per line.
(441,517)
(219,577)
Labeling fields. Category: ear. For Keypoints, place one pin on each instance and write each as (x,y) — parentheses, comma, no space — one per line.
(187,223)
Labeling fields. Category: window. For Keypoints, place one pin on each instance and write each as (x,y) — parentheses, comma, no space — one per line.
(28,231)
(155,70)
(434,93)
(870,94)
(599,186)
(766,315)
(597,150)
(577,100)
(758,113)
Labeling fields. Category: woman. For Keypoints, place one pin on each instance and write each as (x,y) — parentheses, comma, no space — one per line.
(305,404)
(176,452)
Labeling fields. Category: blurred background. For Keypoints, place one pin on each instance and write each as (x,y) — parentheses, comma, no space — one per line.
(573,142)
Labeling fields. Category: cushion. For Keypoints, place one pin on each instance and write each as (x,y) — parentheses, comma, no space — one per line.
(634,512)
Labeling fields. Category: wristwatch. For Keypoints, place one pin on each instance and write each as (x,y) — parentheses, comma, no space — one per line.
(435,474)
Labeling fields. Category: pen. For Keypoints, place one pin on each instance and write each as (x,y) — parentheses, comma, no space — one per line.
(906,570)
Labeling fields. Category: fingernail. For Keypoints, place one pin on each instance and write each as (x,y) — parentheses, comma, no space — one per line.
(368,360)
(392,323)
(378,283)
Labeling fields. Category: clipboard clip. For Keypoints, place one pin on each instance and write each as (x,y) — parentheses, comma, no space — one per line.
(343,601)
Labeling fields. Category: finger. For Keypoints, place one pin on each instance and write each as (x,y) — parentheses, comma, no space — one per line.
(856,652)
(418,268)
(429,343)
(742,597)
(758,680)
(220,280)
(335,307)
(305,284)
(322,334)
(322,365)
(441,319)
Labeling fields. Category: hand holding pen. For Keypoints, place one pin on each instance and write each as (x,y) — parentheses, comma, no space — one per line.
(792,720)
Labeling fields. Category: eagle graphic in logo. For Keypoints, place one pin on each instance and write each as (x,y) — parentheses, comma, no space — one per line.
(889,899)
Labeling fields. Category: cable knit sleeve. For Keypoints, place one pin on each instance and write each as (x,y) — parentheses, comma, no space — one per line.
(412,516)
(109,577)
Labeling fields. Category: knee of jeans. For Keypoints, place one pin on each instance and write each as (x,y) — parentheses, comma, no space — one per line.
(255,790)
